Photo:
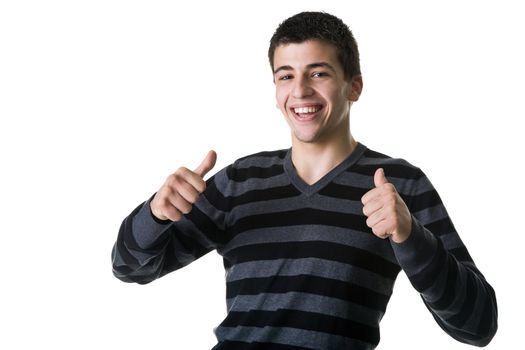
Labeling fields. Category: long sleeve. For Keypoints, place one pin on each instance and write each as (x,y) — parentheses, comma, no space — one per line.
(147,248)
(440,268)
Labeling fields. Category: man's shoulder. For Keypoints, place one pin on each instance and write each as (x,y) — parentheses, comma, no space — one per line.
(393,166)
(260,165)
(262,159)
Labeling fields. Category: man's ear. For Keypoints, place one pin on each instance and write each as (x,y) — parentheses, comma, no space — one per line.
(356,86)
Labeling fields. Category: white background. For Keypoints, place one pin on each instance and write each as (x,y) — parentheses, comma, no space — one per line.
(101,100)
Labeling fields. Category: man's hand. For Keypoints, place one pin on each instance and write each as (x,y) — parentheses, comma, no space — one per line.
(181,190)
(388,215)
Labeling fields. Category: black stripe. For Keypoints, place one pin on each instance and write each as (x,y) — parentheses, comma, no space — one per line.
(243,174)
(309,284)
(228,203)
(469,303)
(441,227)
(206,225)
(240,345)
(450,292)
(282,192)
(155,268)
(401,171)
(374,154)
(489,317)
(306,216)
(414,203)
(304,320)
(216,198)
(428,276)
(461,254)
(170,261)
(125,238)
(344,192)
(422,201)
(188,245)
(314,249)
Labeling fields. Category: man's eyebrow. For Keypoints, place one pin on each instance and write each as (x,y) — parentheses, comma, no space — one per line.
(282,68)
(321,64)
(309,66)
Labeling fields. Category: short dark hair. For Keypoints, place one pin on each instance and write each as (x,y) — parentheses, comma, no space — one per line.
(322,26)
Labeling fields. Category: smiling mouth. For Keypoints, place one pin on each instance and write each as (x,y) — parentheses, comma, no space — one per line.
(306,113)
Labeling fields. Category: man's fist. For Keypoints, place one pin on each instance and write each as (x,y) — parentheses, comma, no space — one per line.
(388,215)
(181,190)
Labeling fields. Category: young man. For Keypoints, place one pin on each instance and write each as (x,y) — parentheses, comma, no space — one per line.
(312,237)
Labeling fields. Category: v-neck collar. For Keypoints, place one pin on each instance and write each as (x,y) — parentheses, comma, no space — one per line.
(326,179)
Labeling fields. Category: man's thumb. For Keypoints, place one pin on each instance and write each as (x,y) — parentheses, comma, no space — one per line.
(207,164)
(380,178)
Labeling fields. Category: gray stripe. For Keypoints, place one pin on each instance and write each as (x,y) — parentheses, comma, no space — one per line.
(290,336)
(308,303)
(312,267)
(221,181)
(258,161)
(432,214)
(231,188)
(402,185)
(451,241)
(349,178)
(117,257)
(316,201)
(421,186)
(384,161)
(365,241)
(145,230)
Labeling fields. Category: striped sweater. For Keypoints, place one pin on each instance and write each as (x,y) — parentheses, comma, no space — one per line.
(303,270)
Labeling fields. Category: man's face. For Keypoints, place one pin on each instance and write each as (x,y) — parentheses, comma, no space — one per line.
(311,91)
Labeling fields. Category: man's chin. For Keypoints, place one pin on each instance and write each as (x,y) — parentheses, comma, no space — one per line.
(306,139)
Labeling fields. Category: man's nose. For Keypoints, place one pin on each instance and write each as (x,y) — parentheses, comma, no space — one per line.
(301,88)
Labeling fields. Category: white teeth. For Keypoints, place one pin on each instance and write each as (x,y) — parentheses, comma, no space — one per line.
(306,109)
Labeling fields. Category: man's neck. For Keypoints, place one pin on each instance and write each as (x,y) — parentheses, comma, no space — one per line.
(312,161)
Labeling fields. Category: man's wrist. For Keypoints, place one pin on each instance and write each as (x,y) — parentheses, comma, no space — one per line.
(404,234)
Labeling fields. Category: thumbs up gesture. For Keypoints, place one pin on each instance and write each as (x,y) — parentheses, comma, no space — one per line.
(181,190)
(387,213)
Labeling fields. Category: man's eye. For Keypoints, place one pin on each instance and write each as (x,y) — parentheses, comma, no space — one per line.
(285,77)
(319,74)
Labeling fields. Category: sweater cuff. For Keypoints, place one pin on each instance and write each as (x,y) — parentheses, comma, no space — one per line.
(417,251)
(147,228)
